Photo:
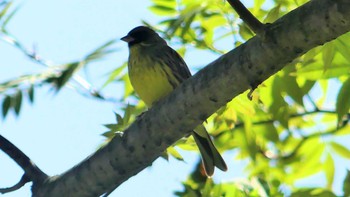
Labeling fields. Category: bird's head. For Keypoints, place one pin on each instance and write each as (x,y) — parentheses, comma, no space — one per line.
(142,35)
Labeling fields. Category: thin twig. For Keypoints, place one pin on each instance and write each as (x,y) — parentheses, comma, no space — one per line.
(241,124)
(17,186)
(80,81)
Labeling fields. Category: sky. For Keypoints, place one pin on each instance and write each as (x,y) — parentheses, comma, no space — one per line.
(59,130)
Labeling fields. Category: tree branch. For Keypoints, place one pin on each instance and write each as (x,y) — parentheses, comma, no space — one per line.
(31,171)
(303,141)
(80,85)
(269,121)
(311,25)
(253,23)
(17,186)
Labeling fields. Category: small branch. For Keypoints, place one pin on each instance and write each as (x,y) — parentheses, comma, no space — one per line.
(302,141)
(312,102)
(80,81)
(299,145)
(17,186)
(254,24)
(241,124)
(32,172)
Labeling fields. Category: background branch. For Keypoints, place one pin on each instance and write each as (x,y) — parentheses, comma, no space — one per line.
(17,186)
(32,172)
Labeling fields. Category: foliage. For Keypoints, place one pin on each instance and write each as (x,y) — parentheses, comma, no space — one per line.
(290,114)
(288,132)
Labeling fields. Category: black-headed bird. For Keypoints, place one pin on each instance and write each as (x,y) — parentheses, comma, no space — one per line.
(155,70)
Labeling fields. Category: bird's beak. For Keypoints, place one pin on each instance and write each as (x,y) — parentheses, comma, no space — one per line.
(127,39)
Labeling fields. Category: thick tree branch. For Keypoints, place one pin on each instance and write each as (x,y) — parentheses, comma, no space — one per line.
(311,25)
(31,171)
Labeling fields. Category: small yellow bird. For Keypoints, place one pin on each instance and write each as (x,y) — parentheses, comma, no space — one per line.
(155,70)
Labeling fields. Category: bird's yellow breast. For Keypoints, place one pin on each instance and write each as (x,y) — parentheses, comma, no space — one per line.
(150,79)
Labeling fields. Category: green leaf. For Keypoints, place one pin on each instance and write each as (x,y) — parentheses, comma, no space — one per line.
(17,101)
(119,119)
(343,100)
(328,53)
(268,130)
(114,74)
(128,111)
(109,134)
(340,150)
(346,184)
(173,152)
(101,51)
(245,32)
(31,93)
(273,14)
(257,5)
(315,192)
(67,74)
(315,71)
(262,186)
(292,88)
(329,170)
(111,126)
(6,106)
(128,89)
(307,86)
(162,10)
(342,47)
(8,18)
(279,107)
(5,9)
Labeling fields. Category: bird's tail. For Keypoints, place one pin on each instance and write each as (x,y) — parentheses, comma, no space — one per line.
(210,155)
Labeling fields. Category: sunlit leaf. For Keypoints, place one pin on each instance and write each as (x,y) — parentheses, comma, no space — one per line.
(101,51)
(173,152)
(162,10)
(329,170)
(128,89)
(8,18)
(5,9)
(343,47)
(245,32)
(315,71)
(114,74)
(341,150)
(273,14)
(257,5)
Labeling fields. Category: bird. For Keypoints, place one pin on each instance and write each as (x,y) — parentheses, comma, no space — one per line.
(155,70)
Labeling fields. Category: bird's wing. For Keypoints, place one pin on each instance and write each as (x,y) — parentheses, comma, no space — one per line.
(177,65)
